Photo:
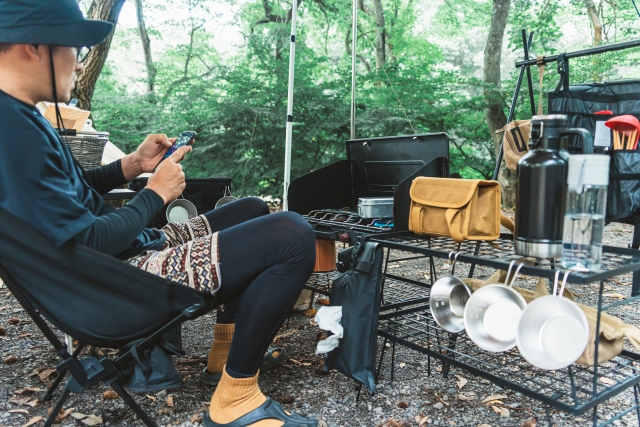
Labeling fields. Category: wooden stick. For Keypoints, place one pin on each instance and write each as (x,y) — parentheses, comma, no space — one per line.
(616,137)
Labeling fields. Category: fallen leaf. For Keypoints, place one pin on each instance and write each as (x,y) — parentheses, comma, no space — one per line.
(309,312)
(423,421)
(169,401)
(32,421)
(402,365)
(46,374)
(13,321)
(496,409)
(285,335)
(494,397)
(110,395)
(11,359)
(3,332)
(286,399)
(320,335)
(29,390)
(504,412)
(323,301)
(92,420)
(291,359)
(62,415)
(78,415)
(614,295)
(196,418)
(33,402)
(19,411)
(24,335)
(462,381)
(483,425)
(607,381)
(153,398)
(469,395)
(533,422)
(403,405)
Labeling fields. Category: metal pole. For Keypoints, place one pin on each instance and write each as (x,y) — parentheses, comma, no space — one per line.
(584,52)
(287,149)
(354,39)
(512,112)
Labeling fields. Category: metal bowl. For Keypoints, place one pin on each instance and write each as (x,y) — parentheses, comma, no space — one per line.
(447,300)
(491,317)
(181,210)
(224,200)
(553,332)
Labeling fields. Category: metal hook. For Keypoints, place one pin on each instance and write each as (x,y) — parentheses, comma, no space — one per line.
(564,282)
(506,279)
(515,275)
(455,259)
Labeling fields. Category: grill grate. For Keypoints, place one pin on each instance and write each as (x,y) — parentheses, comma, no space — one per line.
(349,220)
(570,389)
(499,253)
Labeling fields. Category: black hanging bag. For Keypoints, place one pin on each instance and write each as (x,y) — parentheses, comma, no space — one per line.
(357,290)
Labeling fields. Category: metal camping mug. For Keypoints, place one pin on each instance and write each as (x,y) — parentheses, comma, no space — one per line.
(553,331)
(181,210)
(447,300)
(226,198)
(492,314)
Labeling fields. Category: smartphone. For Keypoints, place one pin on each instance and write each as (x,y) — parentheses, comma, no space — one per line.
(185,138)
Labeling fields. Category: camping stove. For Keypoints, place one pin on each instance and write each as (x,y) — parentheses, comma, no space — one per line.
(375,167)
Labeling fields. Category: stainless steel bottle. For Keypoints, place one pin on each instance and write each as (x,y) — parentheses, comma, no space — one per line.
(541,187)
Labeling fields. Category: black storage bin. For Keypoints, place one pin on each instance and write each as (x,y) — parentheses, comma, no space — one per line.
(202,192)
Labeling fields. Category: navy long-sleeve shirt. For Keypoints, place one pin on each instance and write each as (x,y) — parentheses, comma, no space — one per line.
(41,183)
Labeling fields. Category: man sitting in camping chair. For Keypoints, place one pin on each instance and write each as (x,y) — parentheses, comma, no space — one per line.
(254,262)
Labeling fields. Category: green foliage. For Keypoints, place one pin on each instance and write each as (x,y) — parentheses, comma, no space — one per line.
(237,100)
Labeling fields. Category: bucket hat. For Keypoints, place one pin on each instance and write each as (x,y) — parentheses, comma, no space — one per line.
(49,22)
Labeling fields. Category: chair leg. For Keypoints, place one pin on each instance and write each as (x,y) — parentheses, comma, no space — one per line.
(47,395)
(56,409)
(133,405)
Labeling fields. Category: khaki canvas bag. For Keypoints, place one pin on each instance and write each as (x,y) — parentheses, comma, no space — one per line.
(515,142)
(463,209)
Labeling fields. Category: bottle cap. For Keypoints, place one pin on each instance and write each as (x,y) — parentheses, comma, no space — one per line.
(587,169)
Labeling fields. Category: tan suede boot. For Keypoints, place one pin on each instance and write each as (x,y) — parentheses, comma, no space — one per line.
(236,397)
(222,335)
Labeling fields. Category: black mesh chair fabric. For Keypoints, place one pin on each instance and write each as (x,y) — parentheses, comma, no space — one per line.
(101,302)
(95,298)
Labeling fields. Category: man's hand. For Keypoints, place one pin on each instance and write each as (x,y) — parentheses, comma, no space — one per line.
(168,180)
(147,155)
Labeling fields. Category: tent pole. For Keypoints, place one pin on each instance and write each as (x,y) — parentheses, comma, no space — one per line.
(354,39)
(287,152)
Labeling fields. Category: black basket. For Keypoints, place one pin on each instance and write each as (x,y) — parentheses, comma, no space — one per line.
(87,148)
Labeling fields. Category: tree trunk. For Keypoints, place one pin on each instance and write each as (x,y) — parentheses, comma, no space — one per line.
(494,111)
(146,45)
(106,10)
(381,35)
(595,20)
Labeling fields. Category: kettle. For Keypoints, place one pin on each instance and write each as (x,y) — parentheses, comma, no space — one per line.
(541,186)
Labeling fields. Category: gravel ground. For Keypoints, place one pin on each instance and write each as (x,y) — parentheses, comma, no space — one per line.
(413,397)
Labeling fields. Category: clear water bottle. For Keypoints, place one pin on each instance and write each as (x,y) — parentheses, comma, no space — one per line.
(587,182)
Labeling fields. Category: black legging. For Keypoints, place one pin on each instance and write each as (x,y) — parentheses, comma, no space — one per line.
(264,262)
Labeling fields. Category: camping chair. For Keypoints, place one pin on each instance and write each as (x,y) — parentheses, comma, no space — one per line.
(95,298)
